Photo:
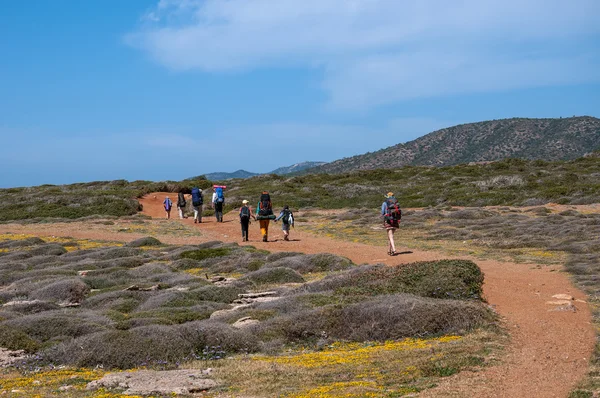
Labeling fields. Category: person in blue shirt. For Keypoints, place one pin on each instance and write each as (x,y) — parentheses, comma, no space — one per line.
(390,211)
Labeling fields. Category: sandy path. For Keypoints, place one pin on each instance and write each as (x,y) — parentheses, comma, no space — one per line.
(549,350)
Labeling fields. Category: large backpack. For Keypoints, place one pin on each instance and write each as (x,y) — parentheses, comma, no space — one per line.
(393,212)
(287,218)
(245,213)
(264,207)
(181,200)
(168,204)
(197,199)
(220,196)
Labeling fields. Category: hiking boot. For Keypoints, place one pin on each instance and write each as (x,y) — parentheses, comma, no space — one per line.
(286,237)
(264,238)
(195,221)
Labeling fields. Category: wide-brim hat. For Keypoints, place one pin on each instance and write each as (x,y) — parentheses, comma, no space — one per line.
(244,201)
(389,195)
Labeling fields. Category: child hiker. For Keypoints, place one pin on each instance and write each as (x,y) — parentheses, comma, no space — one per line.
(168,205)
(245,214)
(287,220)
(391,219)
(264,213)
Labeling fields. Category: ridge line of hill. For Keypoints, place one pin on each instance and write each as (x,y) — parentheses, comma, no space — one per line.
(525,138)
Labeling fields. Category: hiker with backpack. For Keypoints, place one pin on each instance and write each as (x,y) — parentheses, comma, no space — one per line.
(218,199)
(287,219)
(168,205)
(264,213)
(390,210)
(181,203)
(245,214)
(197,202)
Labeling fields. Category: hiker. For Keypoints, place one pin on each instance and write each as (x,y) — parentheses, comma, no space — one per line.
(197,202)
(181,204)
(218,199)
(287,220)
(245,214)
(168,204)
(264,213)
(390,210)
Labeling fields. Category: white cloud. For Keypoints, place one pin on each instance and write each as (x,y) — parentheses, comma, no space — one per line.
(379,51)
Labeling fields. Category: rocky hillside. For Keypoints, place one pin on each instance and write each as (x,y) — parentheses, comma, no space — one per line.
(548,139)
(295,168)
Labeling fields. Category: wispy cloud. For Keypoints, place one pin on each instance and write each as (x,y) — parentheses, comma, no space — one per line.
(375,52)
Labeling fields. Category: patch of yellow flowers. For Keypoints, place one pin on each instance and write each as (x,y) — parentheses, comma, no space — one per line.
(353,353)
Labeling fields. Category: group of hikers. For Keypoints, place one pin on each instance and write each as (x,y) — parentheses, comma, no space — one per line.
(264,211)
(390,212)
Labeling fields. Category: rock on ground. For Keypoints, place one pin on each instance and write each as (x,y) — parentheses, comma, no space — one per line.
(146,382)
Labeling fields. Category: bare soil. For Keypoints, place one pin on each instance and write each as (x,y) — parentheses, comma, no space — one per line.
(550,346)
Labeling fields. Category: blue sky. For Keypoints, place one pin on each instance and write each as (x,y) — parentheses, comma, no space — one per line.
(148,89)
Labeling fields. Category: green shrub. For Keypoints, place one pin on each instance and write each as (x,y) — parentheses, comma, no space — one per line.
(15,339)
(452,279)
(202,254)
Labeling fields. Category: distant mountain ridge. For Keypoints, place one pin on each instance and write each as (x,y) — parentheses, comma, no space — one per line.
(548,139)
(297,167)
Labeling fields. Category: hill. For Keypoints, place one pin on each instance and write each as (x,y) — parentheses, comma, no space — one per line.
(547,139)
(295,168)
(217,176)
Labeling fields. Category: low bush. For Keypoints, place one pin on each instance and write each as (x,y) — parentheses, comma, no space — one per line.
(15,339)
(150,345)
(66,290)
(51,249)
(147,241)
(219,294)
(304,263)
(269,276)
(202,254)
(48,325)
(11,244)
(383,318)
(184,263)
(455,279)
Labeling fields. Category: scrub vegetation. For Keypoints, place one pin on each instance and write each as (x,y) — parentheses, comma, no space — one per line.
(510,182)
(89,304)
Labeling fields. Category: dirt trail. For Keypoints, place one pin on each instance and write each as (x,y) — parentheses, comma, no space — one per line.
(549,351)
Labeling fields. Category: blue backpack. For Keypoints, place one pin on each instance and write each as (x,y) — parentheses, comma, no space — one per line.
(168,204)
(220,197)
(197,199)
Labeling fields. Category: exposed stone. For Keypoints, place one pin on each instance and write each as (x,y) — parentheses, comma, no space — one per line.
(256,295)
(559,302)
(21,302)
(142,289)
(563,297)
(8,357)
(245,322)
(147,382)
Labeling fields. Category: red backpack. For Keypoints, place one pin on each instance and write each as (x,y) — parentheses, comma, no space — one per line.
(393,209)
